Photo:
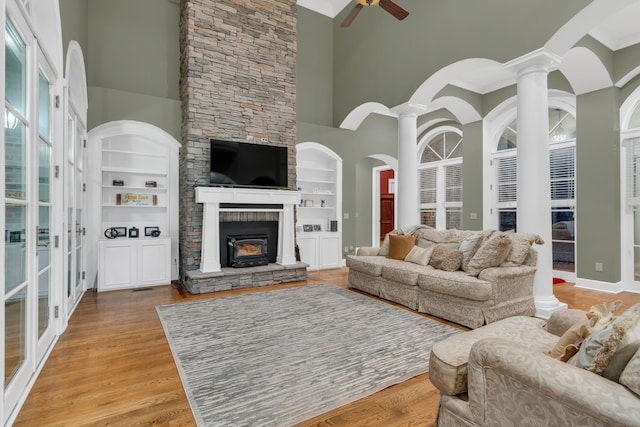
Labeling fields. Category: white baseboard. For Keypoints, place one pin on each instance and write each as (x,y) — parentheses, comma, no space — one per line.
(597,285)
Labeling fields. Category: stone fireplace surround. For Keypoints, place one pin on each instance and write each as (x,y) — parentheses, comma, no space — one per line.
(212,276)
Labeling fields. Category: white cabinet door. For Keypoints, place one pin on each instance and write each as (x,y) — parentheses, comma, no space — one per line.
(116,266)
(131,263)
(155,262)
(330,255)
(308,246)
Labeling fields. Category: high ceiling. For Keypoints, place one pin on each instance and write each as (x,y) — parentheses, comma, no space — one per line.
(617,32)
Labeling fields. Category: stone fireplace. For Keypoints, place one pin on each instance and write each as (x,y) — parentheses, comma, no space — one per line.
(238,82)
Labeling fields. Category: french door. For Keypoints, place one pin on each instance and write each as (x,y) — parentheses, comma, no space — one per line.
(29,328)
(74,202)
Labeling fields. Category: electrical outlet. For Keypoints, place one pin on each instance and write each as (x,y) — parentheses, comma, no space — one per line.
(264,139)
(599,266)
(346,249)
(473,215)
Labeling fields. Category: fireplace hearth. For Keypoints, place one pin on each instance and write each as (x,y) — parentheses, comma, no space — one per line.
(247,251)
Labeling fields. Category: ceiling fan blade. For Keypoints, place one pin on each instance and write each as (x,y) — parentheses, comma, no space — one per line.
(354,12)
(394,9)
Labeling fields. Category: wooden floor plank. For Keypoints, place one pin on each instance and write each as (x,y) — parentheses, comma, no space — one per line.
(113,366)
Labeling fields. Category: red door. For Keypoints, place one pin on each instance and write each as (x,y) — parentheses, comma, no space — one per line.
(387,202)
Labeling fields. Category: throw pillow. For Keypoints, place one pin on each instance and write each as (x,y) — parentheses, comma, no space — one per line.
(607,351)
(569,343)
(444,258)
(399,246)
(424,243)
(520,245)
(603,312)
(384,249)
(491,253)
(469,246)
(418,255)
(631,375)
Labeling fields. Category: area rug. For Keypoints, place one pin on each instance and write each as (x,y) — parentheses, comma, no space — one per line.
(280,357)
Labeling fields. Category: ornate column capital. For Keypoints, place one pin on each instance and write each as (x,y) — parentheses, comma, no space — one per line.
(408,110)
(539,60)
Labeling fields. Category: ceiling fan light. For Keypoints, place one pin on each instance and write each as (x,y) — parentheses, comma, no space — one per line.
(368,2)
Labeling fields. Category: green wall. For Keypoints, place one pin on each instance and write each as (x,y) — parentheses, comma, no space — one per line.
(132,53)
(314,72)
(74,16)
(598,185)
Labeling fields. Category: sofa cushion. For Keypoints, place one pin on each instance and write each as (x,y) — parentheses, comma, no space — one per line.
(455,283)
(399,246)
(449,358)
(418,255)
(403,272)
(608,350)
(444,258)
(631,375)
(491,253)
(469,246)
(371,265)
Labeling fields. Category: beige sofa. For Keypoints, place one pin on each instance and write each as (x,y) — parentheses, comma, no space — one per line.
(498,375)
(458,296)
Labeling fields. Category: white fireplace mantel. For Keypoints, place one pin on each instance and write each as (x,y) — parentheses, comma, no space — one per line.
(247,200)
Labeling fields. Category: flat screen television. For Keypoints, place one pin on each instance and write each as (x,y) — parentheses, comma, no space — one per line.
(241,164)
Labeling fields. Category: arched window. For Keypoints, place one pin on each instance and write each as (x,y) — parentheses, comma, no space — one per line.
(562,138)
(440,174)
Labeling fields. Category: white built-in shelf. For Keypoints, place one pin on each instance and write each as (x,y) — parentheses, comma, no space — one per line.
(319,178)
(315,181)
(142,172)
(134,153)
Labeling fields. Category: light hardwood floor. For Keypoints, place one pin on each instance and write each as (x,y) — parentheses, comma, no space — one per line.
(113,367)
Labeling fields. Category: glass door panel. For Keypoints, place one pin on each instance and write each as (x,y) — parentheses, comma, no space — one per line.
(15,331)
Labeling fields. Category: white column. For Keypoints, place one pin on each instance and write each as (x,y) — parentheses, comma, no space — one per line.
(407,173)
(534,194)
(286,234)
(210,252)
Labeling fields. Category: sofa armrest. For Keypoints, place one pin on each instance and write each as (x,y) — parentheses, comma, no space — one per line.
(367,251)
(509,283)
(509,384)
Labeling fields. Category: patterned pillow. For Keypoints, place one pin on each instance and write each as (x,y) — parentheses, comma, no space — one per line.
(491,253)
(399,246)
(444,258)
(520,245)
(469,246)
(569,343)
(418,255)
(607,351)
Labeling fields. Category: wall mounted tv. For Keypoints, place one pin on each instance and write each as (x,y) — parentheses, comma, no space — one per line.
(241,164)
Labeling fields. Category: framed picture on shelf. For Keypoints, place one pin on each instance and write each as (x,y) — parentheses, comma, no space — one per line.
(121,231)
(307,227)
(152,231)
(317,227)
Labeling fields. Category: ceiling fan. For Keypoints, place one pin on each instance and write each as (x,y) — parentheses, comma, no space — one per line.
(387,5)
